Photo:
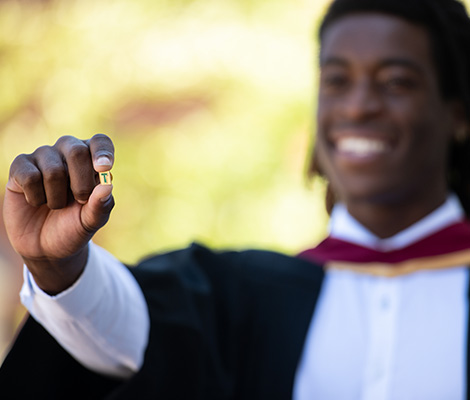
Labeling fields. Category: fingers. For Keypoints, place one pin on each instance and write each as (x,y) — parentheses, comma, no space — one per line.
(41,176)
(102,152)
(53,175)
(26,178)
(77,160)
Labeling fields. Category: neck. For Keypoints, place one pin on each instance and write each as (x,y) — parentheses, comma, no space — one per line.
(386,220)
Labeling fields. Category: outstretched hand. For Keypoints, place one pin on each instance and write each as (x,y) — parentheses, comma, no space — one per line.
(54,204)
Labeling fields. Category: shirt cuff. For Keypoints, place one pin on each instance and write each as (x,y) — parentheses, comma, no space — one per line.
(101,320)
(70,301)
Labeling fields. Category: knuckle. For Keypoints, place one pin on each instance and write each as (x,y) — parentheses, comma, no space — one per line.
(78,152)
(41,149)
(82,194)
(32,184)
(103,142)
(56,204)
(55,174)
(40,153)
(36,201)
(100,136)
(65,140)
(21,158)
(19,163)
(30,179)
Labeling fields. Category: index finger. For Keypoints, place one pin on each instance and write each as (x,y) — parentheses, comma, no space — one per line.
(102,152)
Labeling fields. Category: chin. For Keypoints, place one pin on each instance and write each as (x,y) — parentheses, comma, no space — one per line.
(373,196)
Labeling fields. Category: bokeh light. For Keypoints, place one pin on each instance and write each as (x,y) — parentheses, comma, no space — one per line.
(209,104)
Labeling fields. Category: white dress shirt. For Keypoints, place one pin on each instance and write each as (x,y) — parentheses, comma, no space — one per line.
(376,338)
(370,338)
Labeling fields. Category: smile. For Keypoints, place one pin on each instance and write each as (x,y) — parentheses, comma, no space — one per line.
(361,146)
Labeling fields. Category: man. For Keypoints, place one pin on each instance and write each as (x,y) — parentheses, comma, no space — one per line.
(385,318)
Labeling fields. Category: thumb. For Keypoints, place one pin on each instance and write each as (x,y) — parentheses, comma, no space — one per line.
(95,213)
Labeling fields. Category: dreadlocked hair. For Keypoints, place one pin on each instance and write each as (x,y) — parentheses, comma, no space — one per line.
(448,25)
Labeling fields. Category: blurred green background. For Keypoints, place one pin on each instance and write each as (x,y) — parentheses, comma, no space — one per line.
(209,104)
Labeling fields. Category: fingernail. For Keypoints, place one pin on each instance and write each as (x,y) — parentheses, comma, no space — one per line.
(103,160)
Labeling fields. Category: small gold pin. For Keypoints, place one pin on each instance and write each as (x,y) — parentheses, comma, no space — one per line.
(105,178)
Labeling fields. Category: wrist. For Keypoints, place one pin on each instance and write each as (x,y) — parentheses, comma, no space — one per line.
(56,275)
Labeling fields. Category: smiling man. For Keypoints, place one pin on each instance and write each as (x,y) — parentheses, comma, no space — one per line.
(388,115)
(378,310)
(383,127)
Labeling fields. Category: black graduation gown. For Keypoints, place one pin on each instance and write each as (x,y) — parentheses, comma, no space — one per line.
(228,325)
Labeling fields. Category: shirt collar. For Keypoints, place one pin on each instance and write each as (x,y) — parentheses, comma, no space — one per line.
(343,226)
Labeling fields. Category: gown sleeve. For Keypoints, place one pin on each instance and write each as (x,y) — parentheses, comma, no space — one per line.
(227,325)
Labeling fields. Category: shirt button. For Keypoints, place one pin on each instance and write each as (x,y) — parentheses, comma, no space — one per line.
(385,303)
(379,372)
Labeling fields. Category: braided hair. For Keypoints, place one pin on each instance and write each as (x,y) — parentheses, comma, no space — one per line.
(448,25)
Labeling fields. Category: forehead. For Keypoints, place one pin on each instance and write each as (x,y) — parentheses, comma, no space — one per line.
(367,37)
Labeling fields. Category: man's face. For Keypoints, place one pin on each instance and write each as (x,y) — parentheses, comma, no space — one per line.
(382,126)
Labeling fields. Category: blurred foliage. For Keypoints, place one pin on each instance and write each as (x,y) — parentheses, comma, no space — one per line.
(209,104)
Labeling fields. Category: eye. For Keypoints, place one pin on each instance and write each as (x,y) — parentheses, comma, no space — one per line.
(333,82)
(398,84)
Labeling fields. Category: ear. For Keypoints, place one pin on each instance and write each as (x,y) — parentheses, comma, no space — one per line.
(460,121)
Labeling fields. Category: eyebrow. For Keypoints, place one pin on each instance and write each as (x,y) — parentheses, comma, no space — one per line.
(387,62)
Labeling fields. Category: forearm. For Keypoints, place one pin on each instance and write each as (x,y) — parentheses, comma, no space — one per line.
(101,320)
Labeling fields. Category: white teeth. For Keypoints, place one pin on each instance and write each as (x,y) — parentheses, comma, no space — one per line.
(361,146)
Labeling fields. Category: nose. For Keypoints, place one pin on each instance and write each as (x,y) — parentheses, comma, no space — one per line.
(362,101)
